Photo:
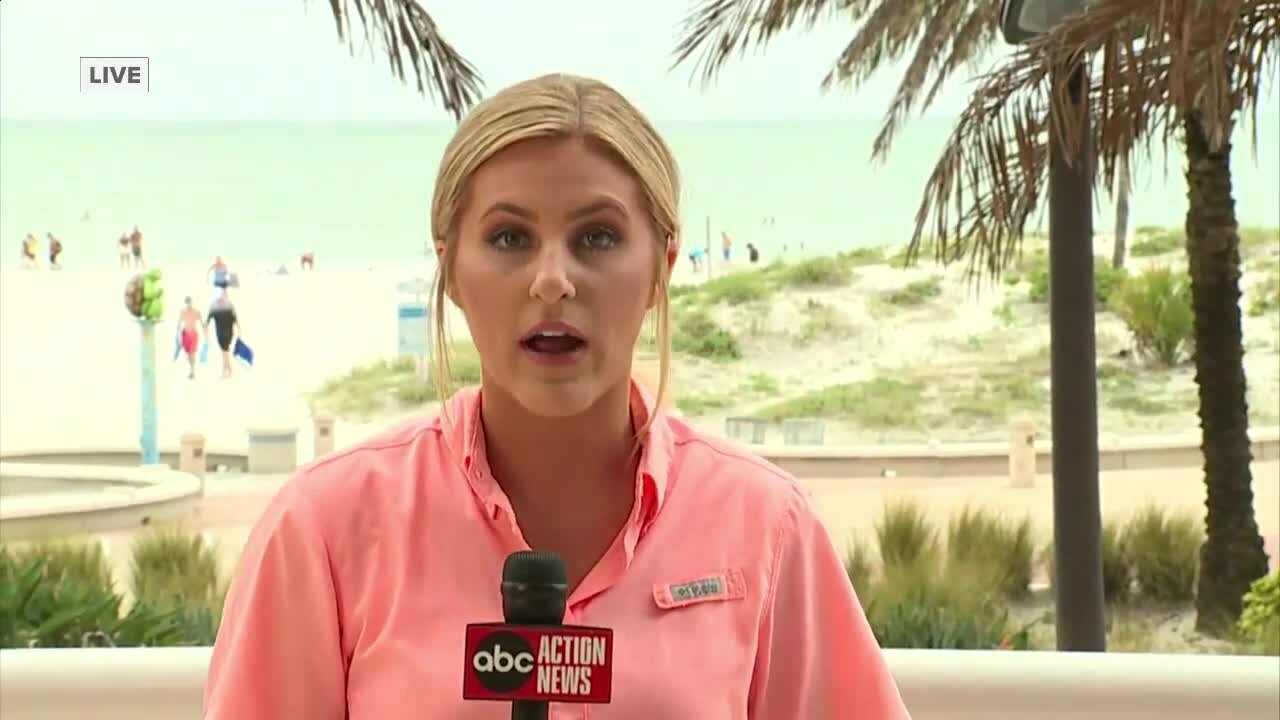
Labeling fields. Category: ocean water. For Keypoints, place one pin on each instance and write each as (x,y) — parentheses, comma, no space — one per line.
(358,196)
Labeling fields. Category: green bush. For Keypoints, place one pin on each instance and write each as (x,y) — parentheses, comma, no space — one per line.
(876,403)
(736,288)
(816,272)
(1117,569)
(1106,279)
(81,562)
(1260,621)
(1151,241)
(696,333)
(41,606)
(1266,296)
(1156,307)
(1164,550)
(905,536)
(914,293)
(996,549)
(171,567)
(859,565)
(921,605)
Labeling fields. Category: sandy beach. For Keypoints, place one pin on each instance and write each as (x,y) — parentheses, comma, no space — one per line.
(69,363)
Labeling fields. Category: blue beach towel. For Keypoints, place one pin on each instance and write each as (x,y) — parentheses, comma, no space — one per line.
(243,352)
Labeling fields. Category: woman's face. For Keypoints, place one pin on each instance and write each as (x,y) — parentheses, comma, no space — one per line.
(555,269)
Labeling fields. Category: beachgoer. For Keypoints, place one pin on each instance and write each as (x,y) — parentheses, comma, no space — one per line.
(30,246)
(753,253)
(696,253)
(726,243)
(724,590)
(190,323)
(308,261)
(55,249)
(219,273)
(135,247)
(226,327)
(125,255)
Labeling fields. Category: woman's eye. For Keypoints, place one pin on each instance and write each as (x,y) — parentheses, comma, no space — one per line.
(508,239)
(599,239)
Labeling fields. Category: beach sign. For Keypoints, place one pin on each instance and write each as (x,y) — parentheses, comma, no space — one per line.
(414,318)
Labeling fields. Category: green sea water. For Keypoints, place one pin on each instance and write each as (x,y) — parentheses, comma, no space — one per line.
(358,196)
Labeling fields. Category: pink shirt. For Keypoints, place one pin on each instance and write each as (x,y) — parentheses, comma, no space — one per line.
(353,591)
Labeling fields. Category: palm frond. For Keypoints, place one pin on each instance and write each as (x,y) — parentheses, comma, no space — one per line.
(942,35)
(403,28)
(1149,63)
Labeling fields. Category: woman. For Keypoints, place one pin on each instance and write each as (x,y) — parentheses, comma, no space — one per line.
(555,221)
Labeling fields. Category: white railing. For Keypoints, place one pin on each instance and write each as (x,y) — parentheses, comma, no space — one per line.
(165,684)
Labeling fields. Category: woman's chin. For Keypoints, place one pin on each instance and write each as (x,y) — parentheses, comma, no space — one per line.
(556,400)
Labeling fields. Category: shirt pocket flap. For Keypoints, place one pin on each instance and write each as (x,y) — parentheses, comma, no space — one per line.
(723,585)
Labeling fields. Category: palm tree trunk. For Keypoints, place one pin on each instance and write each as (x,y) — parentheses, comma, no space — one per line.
(1122,213)
(1232,555)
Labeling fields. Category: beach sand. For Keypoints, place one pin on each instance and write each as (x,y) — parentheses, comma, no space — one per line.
(69,360)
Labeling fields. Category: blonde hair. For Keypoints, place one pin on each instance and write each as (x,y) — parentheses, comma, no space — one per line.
(567,106)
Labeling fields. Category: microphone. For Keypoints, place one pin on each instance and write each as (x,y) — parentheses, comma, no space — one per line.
(532,659)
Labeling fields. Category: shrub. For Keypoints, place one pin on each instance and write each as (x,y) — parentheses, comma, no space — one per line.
(736,288)
(1106,279)
(81,562)
(1156,307)
(698,334)
(905,536)
(44,607)
(1117,569)
(822,321)
(917,605)
(1151,241)
(996,549)
(1266,296)
(877,403)
(816,272)
(860,567)
(1260,621)
(171,567)
(1164,550)
(914,293)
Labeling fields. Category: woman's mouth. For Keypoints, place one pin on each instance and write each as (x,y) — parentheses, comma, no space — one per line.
(554,343)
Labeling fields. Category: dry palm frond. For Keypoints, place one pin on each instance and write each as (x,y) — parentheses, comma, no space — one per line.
(1149,63)
(404,28)
(945,35)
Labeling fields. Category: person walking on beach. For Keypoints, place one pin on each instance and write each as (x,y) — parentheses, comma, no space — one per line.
(126,258)
(29,248)
(726,243)
(219,273)
(226,326)
(135,247)
(55,249)
(308,261)
(190,324)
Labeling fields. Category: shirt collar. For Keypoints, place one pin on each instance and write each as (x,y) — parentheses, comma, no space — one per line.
(464,434)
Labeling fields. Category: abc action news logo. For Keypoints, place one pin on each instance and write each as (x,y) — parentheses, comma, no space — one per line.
(564,663)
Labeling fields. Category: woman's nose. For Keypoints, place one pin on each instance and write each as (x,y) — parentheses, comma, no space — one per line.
(551,279)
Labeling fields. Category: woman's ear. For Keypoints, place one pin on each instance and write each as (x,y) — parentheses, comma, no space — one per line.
(670,255)
(449,289)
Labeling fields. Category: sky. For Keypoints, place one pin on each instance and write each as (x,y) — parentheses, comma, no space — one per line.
(281,60)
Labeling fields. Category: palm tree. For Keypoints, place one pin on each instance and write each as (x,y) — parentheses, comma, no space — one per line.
(942,36)
(404,28)
(1159,70)
(1122,188)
